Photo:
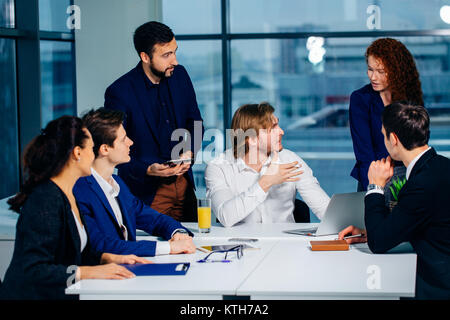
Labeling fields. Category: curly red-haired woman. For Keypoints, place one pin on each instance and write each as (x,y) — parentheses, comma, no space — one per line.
(393,77)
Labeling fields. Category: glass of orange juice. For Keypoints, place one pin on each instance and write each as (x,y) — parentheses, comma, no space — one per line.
(204,215)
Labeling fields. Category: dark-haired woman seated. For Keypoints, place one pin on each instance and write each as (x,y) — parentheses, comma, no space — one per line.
(52,248)
(393,77)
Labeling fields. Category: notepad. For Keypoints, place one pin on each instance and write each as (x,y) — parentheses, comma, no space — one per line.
(329,245)
(158,269)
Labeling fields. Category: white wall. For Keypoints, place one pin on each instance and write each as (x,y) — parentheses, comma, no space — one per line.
(104,44)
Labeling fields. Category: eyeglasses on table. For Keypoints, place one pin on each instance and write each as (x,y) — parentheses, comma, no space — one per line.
(239,249)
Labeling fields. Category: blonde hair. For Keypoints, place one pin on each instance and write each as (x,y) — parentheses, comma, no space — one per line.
(247,121)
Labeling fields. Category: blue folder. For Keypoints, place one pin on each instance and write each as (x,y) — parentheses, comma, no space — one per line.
(158,269)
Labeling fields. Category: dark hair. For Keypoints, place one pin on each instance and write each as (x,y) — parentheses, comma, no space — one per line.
(103,124)
(247,121)
(409,122)
(151,33)
(47,154)
(401,71)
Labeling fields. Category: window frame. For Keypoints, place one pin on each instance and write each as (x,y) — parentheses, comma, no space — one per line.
(27,36)
(226,37)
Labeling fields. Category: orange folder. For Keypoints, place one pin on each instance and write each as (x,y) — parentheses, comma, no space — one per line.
(329,245)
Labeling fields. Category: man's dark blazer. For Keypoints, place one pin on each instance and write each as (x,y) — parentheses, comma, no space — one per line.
(104,230)
(422,217)
(47,244)
(128,94)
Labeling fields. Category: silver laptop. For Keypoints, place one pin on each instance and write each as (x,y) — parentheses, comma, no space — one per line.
(344,209)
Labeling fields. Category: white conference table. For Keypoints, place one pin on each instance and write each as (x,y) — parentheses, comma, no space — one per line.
(203,281)
(293,271)
(283,267)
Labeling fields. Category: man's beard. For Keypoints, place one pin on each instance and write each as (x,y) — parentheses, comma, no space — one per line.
(273,148)
(269,152)
(158,73)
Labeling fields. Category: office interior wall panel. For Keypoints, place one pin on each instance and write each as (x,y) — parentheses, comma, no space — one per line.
(104,47)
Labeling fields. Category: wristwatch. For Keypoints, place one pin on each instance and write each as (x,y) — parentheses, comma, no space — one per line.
(181,231)
(374,187)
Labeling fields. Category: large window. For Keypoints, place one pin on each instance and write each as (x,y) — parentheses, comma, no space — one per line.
(334,15)
(9,158)
(204,16)
(312,99)
(7,13)
(37,76)
(202,60)
(53,15)
(57,74)
(9,164)
(305,58)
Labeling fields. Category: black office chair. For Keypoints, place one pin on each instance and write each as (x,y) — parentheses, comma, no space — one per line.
(301,212)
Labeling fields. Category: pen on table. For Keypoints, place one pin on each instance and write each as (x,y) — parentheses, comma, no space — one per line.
(354,236)
(212,261)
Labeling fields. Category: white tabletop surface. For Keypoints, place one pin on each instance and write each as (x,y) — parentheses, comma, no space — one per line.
(272,231)
(282,268)
(202,281)
(292,271)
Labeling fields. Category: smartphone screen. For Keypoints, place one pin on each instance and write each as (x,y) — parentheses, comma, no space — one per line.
(173,163)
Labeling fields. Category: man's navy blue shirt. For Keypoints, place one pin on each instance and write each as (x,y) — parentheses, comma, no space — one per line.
(159,95)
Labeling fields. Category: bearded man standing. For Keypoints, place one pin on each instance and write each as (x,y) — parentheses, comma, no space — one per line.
(158,98)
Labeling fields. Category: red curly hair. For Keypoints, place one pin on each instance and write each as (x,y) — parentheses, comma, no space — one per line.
(401,71)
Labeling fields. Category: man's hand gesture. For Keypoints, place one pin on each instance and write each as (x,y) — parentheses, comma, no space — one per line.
(381,171)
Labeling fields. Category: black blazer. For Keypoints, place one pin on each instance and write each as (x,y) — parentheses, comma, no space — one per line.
(422,217)
(47,244)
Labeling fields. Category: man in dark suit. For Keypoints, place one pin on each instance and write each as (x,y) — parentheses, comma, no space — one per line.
(112,213)
(422,214)
(158,99)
